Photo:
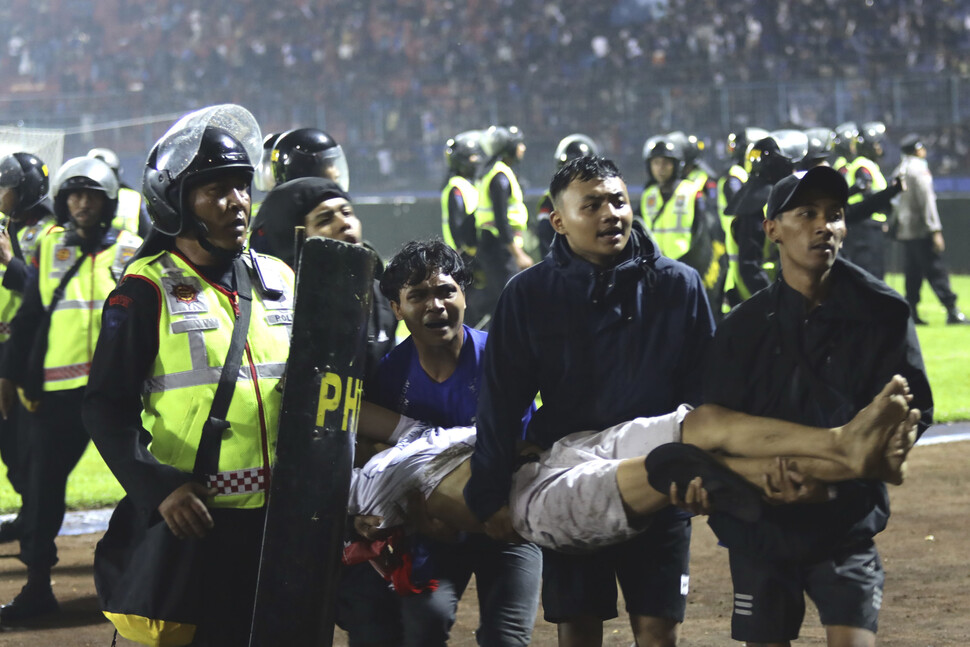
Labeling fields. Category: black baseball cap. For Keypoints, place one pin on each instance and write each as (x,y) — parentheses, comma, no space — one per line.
(787,193)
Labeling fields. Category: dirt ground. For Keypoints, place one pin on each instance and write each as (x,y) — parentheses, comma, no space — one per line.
(925,549)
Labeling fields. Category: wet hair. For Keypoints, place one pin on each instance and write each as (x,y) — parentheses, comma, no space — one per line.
(417,261)
(583,169)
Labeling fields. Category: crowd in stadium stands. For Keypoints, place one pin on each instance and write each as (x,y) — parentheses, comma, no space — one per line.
(392,73)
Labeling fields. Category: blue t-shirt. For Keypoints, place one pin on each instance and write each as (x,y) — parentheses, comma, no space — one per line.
(402,384)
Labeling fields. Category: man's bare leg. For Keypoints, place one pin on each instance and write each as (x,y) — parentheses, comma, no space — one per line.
(858,445)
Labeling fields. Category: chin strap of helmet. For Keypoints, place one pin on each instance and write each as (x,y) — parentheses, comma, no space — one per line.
(225,255)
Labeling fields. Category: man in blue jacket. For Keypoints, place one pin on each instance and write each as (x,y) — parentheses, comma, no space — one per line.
(606,329)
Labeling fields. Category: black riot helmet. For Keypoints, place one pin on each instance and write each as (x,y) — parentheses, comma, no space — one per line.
(845,139)
(574,146)
(28,176)
(199,145)
(463,154)
(502,142)
(821,145)
(774,157)
(309,152)
(85,173)
(664,146)
(739,141)
(871,136)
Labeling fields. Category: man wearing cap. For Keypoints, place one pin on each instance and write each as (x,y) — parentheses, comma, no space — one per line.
(918,228)
(812,348)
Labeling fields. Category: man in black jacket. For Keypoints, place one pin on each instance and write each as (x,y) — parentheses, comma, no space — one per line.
(812,348)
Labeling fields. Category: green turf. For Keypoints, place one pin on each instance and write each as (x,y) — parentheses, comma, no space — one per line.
(946,350)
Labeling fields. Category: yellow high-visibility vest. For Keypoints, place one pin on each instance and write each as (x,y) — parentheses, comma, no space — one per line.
(194,332)
(76,320)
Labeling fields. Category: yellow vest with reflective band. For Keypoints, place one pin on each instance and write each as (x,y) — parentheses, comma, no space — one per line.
(29,239)
(76,320)
(669,222)
(731,245)
(840,162)
(194,331)
(128,214)
(878,182)
(469,194)
(518,213)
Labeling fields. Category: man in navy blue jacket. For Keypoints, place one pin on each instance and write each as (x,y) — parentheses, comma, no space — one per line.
(606,329)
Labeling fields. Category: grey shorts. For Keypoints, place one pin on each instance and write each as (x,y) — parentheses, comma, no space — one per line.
(769,597)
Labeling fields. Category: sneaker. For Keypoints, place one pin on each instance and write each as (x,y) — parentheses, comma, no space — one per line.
(727,491)
(33,600)
(957,318)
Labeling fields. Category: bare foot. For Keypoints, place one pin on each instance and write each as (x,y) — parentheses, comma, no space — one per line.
(897,449)
(864,438)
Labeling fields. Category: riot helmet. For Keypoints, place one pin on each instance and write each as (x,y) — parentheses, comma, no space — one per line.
(664,146)
(107,156)
(821,144)
(309,152)
(739,141)
(871,136)
(690,144)
(573,146)
(263,179)
(502,142)
(85,173)
(463,153)
(199,145)
(911,143)
(26,174)
(845,138)
(775,156)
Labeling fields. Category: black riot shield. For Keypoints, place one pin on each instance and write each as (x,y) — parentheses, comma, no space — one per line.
(307,509)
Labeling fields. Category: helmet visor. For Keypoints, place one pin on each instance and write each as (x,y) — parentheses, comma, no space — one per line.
(332,164)
(179,146)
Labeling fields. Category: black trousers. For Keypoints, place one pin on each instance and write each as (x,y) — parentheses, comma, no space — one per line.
(921,261)
(57,441)
(14,436)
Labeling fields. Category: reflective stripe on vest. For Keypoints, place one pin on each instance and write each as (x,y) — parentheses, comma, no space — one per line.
(670,222)
(878,182)
(128,213)
(469,195)
(194,330)
(518,213)
(76,319)
(29,239)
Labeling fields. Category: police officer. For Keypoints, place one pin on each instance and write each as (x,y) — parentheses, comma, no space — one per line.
(502,218)
(569,148)
(679,216)
(27,215)
(49,357)
(772,158)
(166,334)
(263,179)
(844,146)
(728,185)
(459,198)
(309,152)
(865,241)
(132,215)
(695,168)
(821,146)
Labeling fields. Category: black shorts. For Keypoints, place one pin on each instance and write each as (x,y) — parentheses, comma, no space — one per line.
(769,597)
(652,569)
